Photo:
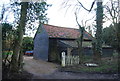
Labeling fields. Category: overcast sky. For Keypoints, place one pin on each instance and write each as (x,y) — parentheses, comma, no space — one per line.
(60,16)
(63,16)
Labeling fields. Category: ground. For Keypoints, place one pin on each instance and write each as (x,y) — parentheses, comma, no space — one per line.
(46,70)
(38,67)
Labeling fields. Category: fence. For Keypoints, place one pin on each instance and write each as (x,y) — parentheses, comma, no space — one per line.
(69,60)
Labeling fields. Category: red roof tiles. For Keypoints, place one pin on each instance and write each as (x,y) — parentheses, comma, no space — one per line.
(62,32)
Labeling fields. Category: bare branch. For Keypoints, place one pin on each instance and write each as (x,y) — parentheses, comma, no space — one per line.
(86,8)
(112,10)
(109,10)
(88,20)
(67,9)
(2,12)
(77,21)
(107,17)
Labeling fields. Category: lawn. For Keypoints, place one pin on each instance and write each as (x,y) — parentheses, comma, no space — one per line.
(107,65)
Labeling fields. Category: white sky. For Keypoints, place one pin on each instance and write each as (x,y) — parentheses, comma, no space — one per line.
(58,16)
(61,17)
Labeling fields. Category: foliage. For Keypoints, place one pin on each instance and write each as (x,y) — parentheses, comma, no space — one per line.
(6,30)
(109,36)
(27,44)
(98,35)
(39,12)
(36,12)
(16,63)
(8,36)
(112,14)
(86,44)
(118,37)
(25,14)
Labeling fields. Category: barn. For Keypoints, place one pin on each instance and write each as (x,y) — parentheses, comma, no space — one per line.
(50,41)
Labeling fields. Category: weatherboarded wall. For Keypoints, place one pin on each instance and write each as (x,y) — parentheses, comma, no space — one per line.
(41,45)
(106,51)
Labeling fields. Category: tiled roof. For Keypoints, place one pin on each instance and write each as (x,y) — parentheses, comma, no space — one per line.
(62,32)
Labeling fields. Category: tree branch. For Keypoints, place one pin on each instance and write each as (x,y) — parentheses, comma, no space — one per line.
(77,21)
(86,8)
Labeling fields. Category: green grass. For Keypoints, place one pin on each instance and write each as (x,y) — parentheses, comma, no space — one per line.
(101,69)
(107,65)
(7,53)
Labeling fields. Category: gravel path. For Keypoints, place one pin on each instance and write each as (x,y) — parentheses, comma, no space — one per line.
(38,67)
(46,70)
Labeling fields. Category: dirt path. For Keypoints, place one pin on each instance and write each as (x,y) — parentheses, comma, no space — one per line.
(38,67)
(45,70)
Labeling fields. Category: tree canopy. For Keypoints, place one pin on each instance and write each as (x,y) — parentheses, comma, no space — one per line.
(25,16)
(109,36)
(27,44)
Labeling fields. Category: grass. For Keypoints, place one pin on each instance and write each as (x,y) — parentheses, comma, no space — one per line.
(7,53)
(107,65)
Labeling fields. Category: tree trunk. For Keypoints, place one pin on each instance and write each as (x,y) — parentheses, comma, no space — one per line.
(99,23)
(18,43)
(80,48)
(80,40)
(118,34)
(20,60)
(94,49)
(118,40)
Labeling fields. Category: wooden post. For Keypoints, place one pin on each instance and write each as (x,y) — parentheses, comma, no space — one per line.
(63,59)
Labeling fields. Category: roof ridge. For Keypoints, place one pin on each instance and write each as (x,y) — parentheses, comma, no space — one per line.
(66,28)
(60,26)
(63,32)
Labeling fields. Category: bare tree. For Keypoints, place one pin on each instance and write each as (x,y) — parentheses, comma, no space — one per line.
(80,40)
(112,11)
(99,23)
